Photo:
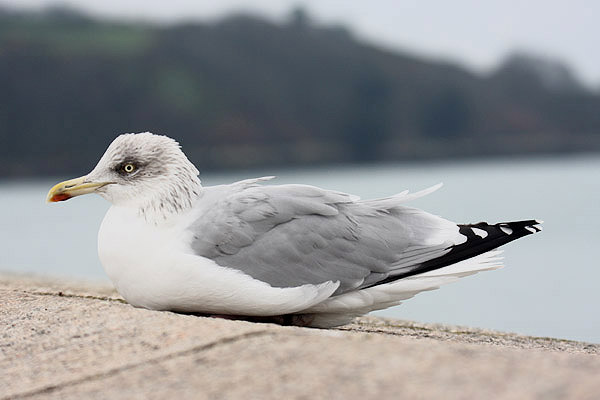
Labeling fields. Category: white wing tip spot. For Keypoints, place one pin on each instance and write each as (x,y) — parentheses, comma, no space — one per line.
(506,230)
(530,229)
(480,232)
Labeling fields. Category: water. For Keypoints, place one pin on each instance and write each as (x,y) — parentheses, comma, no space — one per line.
(549,286)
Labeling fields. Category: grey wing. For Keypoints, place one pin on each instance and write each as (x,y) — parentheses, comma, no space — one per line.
(291,235)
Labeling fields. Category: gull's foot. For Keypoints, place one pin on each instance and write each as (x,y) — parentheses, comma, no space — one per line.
(301,320)
(288,319)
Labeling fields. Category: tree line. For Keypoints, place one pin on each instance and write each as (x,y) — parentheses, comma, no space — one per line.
(245,91)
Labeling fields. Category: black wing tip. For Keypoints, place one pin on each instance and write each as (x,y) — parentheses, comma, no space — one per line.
(480,238)
(511,230)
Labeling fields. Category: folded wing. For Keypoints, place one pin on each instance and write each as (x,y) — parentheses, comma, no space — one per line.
(291,235)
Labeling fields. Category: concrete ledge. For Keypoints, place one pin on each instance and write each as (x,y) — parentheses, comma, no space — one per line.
(73,340)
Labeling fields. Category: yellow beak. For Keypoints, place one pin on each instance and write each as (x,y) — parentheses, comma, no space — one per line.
(71,188)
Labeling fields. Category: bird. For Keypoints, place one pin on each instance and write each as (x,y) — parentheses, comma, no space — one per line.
(292,254)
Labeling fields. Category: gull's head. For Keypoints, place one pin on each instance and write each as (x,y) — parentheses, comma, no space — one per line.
(143,170)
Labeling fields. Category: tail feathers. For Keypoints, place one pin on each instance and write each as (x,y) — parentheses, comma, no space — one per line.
(393,293)
(475,254)
(482,262)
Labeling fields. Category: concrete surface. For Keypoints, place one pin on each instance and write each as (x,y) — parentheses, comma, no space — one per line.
(71,340)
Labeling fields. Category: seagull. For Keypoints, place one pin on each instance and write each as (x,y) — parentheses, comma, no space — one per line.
(293,254)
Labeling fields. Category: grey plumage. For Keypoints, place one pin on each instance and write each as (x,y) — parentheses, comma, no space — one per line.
(291,235)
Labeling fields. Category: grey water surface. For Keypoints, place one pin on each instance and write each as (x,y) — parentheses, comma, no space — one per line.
(549,286)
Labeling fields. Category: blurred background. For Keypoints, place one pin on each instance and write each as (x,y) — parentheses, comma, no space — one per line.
(499,100)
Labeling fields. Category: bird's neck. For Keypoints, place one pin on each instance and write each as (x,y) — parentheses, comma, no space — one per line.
(174,200)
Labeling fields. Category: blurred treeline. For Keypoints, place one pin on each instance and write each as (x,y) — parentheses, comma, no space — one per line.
(244,91)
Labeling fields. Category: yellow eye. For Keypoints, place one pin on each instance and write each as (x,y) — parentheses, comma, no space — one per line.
(129,168)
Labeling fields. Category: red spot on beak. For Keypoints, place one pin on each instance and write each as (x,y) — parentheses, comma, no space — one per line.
(60,197)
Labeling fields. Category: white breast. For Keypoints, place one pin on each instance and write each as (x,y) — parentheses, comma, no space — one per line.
(153,267)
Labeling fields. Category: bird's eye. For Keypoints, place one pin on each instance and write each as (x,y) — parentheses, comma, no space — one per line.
(128,168)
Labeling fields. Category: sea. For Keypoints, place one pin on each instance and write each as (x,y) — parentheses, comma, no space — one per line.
(548,287)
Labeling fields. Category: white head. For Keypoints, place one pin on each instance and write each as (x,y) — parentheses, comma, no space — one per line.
(144,171)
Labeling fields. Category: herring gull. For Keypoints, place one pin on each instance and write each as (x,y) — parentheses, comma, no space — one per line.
(295,254)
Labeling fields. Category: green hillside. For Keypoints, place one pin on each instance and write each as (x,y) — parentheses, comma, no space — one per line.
(244,91)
